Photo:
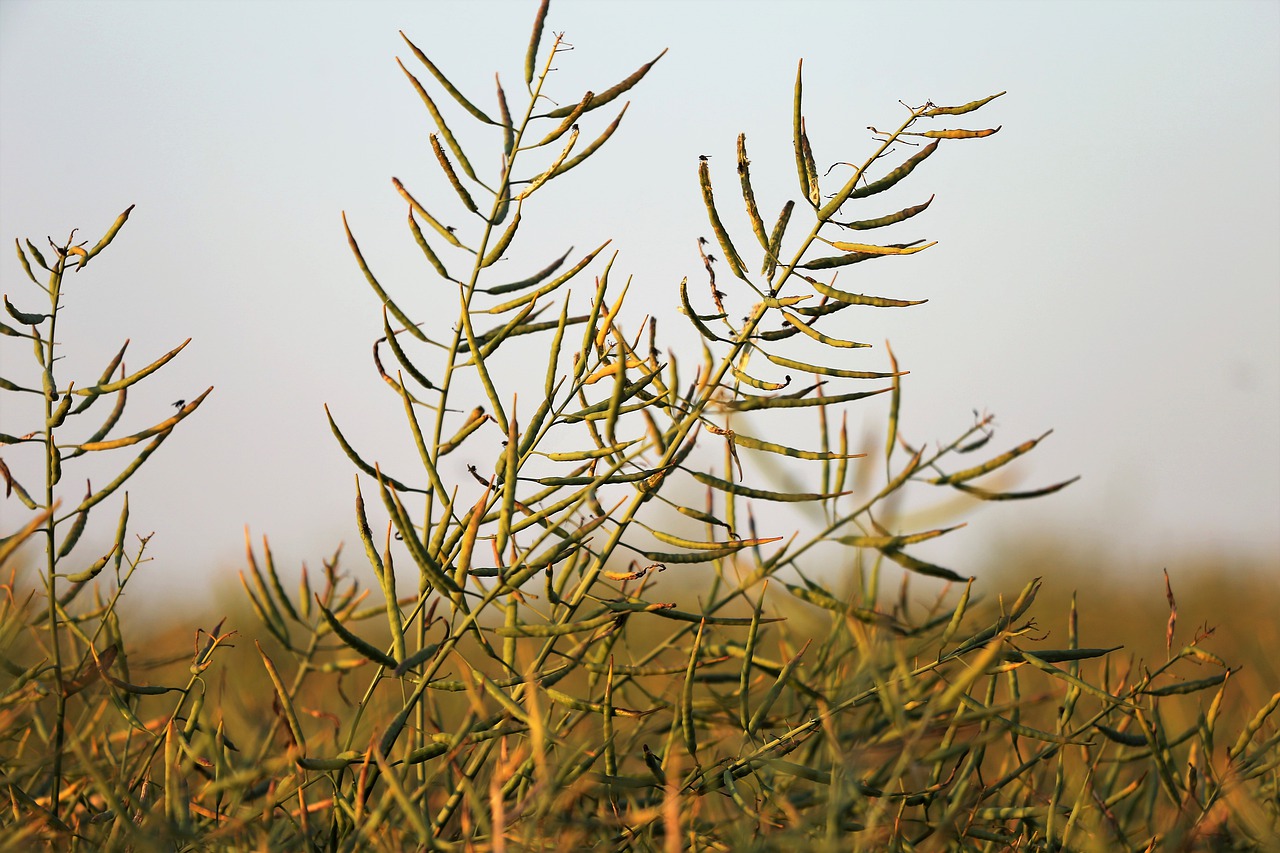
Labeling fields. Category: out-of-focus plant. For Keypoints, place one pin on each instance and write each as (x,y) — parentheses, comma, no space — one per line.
(537,671)
(64,659)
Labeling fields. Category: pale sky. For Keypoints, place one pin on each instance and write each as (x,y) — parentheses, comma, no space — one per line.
(1108,265)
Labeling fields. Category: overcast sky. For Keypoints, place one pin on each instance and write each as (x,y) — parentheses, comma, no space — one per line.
(1108,264)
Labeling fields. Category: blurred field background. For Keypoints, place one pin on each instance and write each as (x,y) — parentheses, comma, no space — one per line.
(1107,264)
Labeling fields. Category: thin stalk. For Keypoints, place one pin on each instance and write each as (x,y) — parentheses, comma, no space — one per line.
(51,549)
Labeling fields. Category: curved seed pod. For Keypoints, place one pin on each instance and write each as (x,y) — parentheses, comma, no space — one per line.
(956,133)
(824,456)
(490,341)
(426,249)
(698,545)
(557,630)
(827,371)
(1253,726)
(758,383)
(39,257)
(550,286)
(366,535)
(990,465)
(163,427)
(809,331)
(897,174)
(274,578)
(822,309)
(956,617)
(10,543)
(552,170)
(429,567)
(360,463)
(753,403)
(901,215)
(851,190)
(775,240)
(377,288)
(346,759)
(10,331)
(984,495)
(921,567)
(26,264)
(785,302)
(961,110)
(594,707)
(6,385)
(629,477)
(797,130)
(731,255)
(859,299)
(443,159)
(813,190)
(508,128)
(392,339)
(59,415)
(748,659)
(449,87)
(704,517)
(503,242)
(748,194)
(894,542)
(106,238)
(613,91)
(102,380)
(536,278)
(606,730)
(695,317)
(395,619)
(510,462)
(93,571)
(107,388)
(551,385)
(687,728)
(23,317)
(766,703)
(582,455)
(10,484)
(125,474)
(286,701)
(595,144)
(472,530)
(1085,686)
(606,323)
(600,411)
(1066,656)
(77,528)
(474,421)
(442,230)
(363,647)
(531,55)
(895,402)
(418,658)
(504,195)
(819,597)
(270,612)
(761,494)
(440,123)
(868,249)
(619,394)
(565,124)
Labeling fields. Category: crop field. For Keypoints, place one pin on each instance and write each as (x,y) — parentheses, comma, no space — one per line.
(592,641)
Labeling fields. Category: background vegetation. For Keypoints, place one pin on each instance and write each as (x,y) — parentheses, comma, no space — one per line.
(601,639)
